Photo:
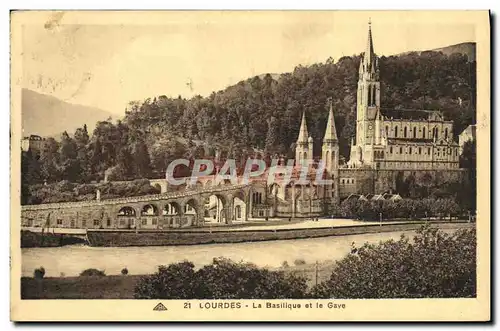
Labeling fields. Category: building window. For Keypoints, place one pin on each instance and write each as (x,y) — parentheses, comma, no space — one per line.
(415,132)
(343,181)
(122,222)
(59,222)
(155,221)
(108,222)
(405,131)
(420,150)
(390,150)
(428,150)
(84,223)
(456,152)
(96,222)
(400,150)
(410,150)
(387,130)
(446,134)
(396,131)
(423,133)
(72,223)
(144,221)
(261,213)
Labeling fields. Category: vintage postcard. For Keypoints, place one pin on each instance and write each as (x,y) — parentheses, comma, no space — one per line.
(250,166)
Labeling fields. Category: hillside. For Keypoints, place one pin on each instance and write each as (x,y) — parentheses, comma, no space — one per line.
(46,115)
(259,113)
(468,49)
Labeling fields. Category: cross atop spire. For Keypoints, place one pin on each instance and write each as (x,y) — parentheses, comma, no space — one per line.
(303,134)
(331,131)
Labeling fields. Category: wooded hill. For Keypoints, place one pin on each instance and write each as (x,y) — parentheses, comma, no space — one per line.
(258,113)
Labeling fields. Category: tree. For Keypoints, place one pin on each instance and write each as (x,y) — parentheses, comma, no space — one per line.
(223,279)
(142,160)
(434,265)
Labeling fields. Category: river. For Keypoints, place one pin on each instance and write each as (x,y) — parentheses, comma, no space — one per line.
(71,260)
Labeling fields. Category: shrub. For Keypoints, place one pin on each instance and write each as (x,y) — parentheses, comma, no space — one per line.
(285,264)
(223,279)
(299,262)
(39,273)
(124,271)
(434,265)
(92,272)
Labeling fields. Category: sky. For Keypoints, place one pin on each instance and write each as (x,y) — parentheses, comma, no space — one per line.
(108,59)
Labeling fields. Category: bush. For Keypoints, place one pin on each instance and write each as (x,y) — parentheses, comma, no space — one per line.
(39,273)
(285,264)
(124,271)
(299,262)
(92,273)
(434,265)
(223,279)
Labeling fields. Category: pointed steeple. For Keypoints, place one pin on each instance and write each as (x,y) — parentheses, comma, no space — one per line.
(369,56)
(303,134)
(331,132)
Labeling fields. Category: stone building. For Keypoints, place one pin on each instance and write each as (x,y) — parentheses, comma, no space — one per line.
(32,143)
(397,139)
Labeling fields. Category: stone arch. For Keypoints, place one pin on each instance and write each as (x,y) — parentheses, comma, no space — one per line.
(149,209)
(171,208)
(214,211)
(126,211)
(240,206)
(192,213)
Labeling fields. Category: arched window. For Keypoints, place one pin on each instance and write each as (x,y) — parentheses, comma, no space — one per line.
(428,150)
(396,131)
(423,133)
(405,132)
(410,150)
(390,150)
(387,130)
(414,132)
(305,156)
(420,150)
(400,150)
(446,134)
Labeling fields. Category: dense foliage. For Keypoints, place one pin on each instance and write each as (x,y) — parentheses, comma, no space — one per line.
(65,191)
(92,272)
(403,209)
(434,265)
(260,114)
(223,279)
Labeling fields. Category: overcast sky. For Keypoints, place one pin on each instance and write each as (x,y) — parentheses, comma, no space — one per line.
(110,59)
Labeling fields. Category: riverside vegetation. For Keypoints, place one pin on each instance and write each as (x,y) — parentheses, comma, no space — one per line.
(432,264)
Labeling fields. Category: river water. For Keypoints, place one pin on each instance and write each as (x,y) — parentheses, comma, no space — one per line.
(71,260)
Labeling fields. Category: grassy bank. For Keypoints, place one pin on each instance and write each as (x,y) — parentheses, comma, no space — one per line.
(37,239)
(197,237)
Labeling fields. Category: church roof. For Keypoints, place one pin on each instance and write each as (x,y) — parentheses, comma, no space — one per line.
(424,115)
(331,131)
(303,134)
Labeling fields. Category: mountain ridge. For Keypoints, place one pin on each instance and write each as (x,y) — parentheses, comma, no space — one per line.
(46,115)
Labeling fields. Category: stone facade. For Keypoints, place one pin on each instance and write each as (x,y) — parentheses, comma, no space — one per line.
(397,139)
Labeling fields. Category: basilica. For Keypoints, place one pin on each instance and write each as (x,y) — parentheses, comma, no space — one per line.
(390,144)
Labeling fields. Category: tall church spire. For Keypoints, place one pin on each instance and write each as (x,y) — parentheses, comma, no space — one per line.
(303,134)
(331,132)
(369,56)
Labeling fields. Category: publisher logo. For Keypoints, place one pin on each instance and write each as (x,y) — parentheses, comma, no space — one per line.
(160,307)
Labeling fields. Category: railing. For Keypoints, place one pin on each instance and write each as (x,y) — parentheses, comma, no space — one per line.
(143,198)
